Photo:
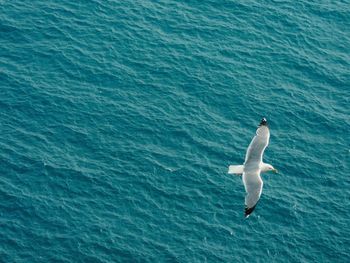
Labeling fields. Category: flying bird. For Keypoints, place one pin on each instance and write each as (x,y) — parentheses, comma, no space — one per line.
(253,166)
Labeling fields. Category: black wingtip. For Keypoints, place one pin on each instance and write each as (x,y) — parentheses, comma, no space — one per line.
(263,122)
(248,211)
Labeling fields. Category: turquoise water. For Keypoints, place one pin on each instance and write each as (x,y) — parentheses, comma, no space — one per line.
(118,120)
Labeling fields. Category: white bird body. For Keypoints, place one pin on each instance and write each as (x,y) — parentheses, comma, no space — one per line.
(253,166)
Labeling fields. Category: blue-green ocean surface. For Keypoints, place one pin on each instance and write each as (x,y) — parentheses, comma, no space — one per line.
(118,120)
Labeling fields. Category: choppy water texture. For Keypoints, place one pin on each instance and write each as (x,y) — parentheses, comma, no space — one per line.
(118,120)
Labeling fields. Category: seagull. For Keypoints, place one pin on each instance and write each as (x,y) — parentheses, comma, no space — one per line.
(253,166)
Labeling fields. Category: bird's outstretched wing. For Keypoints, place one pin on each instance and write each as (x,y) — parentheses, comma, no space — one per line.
(257,146)
(251,172)
(253,186)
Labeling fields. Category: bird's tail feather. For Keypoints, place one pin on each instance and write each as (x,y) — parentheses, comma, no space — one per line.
(235,169)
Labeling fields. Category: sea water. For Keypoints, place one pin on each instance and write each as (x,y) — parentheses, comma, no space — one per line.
(119,119)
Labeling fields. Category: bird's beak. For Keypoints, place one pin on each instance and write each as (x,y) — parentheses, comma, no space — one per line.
(275,171)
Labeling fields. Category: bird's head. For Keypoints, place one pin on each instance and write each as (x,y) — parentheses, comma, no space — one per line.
(270,168)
